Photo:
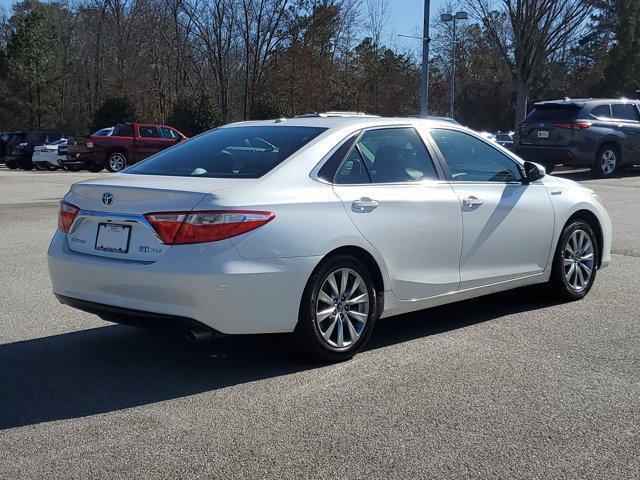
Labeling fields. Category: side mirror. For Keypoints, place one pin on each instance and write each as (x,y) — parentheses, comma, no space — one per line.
(533,172)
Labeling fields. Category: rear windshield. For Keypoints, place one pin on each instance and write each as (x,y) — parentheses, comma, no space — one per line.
(231,152)
(103,132)
(503,137)
(552,114)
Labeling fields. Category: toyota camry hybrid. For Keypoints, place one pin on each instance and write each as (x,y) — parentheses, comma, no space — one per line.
(320,225)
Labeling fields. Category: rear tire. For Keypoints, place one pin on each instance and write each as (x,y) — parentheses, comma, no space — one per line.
(337,313)
(607,161)
(11,165)
(575,261)
(116,162)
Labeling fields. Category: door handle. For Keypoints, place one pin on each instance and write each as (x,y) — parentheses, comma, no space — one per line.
(472,202)
(364,205)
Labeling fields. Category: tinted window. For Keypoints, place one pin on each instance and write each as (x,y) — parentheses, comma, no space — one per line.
(601,112)
(328,170)
(169,132)
(625,111)
(552,113)
(503,137)
(123,131)
(471,159)
(230,152)
(396,155)
(147,131)
(353,170)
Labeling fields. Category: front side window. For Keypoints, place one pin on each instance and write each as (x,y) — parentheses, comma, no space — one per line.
(473,160)
(625,111)
(169,132)
(388,155)
(229,152)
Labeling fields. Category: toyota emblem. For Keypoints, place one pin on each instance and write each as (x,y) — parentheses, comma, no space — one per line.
(107,198)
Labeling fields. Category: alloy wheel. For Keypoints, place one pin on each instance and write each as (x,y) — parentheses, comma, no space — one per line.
(608,162)
(342,308)
(578,260)
(117,162)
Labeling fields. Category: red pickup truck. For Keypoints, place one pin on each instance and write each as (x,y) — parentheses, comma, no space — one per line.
(120,146)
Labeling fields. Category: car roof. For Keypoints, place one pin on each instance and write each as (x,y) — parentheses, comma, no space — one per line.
(330,122)
(582,102)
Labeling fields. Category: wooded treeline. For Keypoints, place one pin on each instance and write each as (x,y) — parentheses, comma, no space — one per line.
(84,64)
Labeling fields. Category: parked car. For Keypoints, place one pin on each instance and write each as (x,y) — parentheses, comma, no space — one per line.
(320,225)
(4,139)
(45,157)
(488,135)
(14,141)
(505,139)
(124,145)
(62,154)
(21,154)
(602,134)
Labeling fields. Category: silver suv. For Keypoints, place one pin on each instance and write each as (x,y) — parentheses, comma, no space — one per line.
(603,134)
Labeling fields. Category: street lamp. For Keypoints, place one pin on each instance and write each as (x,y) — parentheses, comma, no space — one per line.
(448,17)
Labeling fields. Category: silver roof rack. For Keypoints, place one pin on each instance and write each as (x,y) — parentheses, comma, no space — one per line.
(336,114)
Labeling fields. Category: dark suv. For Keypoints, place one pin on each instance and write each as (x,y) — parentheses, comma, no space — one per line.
(603,134)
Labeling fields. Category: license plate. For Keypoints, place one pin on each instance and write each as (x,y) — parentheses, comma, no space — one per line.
(543,133)
(113,237)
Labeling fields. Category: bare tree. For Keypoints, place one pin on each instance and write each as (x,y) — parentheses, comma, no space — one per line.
(538,28)
(377,19)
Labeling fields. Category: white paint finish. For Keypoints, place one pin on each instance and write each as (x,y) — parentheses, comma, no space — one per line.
(416,228)
(508,235)
(415,236)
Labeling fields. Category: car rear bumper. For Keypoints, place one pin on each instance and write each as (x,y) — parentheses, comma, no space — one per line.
(207,283)
(82,159)
(566,155)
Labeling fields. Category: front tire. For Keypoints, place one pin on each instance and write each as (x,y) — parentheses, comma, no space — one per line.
(339,309)
(116,162)
(607,161)
(576,261)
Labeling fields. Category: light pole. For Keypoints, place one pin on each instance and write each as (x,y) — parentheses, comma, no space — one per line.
(424,87)
(448,17)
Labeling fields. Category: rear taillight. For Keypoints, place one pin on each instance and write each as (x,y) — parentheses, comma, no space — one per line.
(523,125)
(179,228)
(577,125)
(66,215)
(89,144)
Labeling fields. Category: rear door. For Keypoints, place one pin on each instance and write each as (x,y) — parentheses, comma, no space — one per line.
(398,200)
(543,126)
(149,141)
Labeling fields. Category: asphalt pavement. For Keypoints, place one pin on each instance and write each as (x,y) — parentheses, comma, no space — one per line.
(512,385)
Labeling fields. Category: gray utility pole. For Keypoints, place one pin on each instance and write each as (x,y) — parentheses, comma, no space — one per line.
(447,17)
(424,94)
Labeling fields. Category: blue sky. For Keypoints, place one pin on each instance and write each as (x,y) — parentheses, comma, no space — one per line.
(405,18)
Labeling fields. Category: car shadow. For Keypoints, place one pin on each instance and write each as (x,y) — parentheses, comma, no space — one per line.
(115,367)
(583,175)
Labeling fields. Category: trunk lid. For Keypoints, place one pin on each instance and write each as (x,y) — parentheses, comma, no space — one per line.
(111,220)
(539,128)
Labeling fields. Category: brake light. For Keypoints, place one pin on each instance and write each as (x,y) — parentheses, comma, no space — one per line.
(523,125)
(89,144)
(577,125)
(180,228)
(66,215)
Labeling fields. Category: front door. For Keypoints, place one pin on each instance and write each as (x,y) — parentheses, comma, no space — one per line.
(507,224)
(391,190)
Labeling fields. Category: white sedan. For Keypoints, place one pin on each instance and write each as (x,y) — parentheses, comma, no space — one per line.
(46,156)
(320,225)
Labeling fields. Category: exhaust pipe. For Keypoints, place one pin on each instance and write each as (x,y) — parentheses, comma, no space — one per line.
(198,335)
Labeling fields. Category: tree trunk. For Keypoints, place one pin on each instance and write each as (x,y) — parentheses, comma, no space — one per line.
(522,94)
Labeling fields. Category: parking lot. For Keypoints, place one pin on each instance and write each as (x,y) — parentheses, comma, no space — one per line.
(513,385)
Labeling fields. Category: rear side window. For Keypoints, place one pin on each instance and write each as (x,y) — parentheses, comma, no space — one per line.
(229,152)
(389,155)
(123,131)
(602,111)
(147,131)
(625,111)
